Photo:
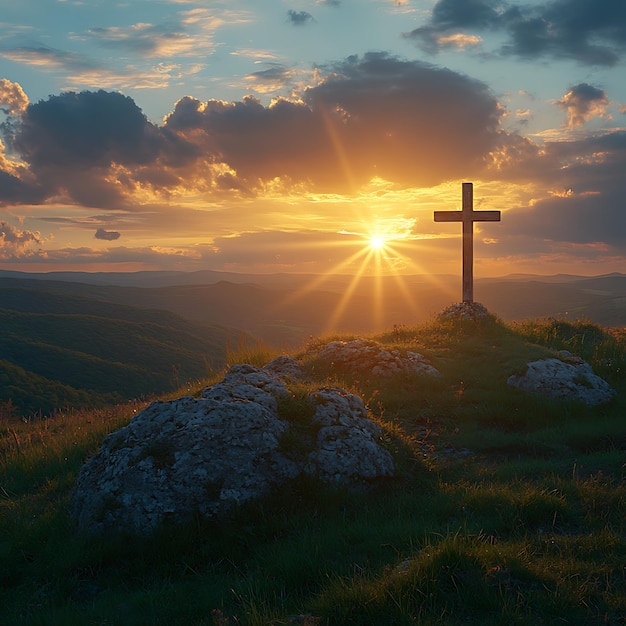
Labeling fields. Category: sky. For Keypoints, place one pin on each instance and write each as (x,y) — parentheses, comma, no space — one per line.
(312,136)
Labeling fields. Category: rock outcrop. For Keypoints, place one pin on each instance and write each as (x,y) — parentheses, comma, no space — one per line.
(202,456)
(347,447)
(465,311)
(359,356)
(567,378)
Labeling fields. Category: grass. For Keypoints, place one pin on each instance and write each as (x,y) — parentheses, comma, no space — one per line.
(508,509)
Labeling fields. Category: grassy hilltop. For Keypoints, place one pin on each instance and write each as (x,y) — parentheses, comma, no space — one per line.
(507,508)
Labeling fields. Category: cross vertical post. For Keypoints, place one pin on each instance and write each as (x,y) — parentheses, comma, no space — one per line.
(467,216)
(468,242)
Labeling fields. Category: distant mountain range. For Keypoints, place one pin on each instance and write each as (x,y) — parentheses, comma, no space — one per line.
(122,335)
(287,308)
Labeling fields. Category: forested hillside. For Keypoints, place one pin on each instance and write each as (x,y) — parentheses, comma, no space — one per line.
(58,350)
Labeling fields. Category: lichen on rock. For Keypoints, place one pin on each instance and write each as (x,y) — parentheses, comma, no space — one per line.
(363,356)
(568,378)
(203,456)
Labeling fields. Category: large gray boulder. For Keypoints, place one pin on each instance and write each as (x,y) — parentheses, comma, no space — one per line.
(202,456)
(566,378)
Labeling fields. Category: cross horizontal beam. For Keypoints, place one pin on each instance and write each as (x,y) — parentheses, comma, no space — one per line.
(461,216)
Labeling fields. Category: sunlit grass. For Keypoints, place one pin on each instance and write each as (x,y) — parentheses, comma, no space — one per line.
(507,508)
(257,354)
(604,348)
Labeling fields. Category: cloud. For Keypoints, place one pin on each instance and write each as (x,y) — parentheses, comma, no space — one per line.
(271,79)
(579,218)
(582,103)
(375,115)
(14,242)
(458,40)
(585,190)
(372,116)
(151,41)
(12,97)
(107,235)
(15,190)
(254,53)
(159,76)
(188,34)
(43,56)
(81,71)
(472,13)
(72,144)
(84,130)
(299,18)
(582,30)
(128,258)
(448,16)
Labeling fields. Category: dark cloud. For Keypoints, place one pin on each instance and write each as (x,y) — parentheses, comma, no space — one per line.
(18,191)
(405,121)
(377,115)
(408,121)
(584,102)
(575,218)
(587,203)
(107,235)
(72,141)
(273,78)
(586,165)
(451,16)
(299,18)
(470,13)
(589,31)
(85,130)
(274,73)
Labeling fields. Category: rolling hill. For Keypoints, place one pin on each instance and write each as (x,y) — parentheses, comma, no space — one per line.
(58,349)
(127,335)
(284,310)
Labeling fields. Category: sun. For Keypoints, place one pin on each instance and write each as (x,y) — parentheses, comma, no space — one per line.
(377,242)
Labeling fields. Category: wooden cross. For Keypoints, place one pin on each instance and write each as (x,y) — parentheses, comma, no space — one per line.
(468,216)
